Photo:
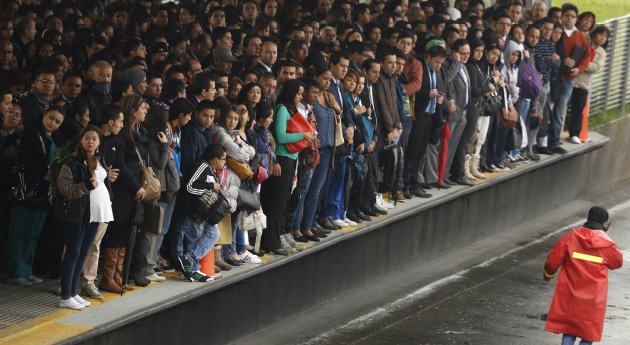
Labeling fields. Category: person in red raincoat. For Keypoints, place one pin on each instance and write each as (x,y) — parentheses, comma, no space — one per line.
(579,302)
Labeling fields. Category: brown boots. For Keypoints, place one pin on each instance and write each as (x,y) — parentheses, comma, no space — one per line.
(111,279)
(119,269)
(109,270)
(218,260)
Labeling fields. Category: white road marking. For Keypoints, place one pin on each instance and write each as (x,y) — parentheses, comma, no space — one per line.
(382,312)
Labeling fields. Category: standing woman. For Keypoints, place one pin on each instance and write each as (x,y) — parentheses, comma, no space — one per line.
(127,193)
(37,150)
(325,118)
(582,83)
(82,205)
(275,191)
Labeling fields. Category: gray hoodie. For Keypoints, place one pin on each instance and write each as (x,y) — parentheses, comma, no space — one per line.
(510,72)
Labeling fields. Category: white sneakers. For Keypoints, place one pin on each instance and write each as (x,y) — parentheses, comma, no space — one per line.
(382,204)
(575,140)
(341,223)
(349,222)
(155,278)
(75,303)
(249,257)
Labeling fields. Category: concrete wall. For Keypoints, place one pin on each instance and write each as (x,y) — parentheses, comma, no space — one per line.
(611,164)
(280,290)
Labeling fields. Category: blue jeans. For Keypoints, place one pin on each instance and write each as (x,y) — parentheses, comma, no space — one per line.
(78,242)
(311,200)
(199,239)
(334,207)
(559,112)
(306,176)
(166,222)
(570,340)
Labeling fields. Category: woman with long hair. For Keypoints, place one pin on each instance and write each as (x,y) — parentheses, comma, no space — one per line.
(37,150)
(599,41)
(82,205)
(275,191)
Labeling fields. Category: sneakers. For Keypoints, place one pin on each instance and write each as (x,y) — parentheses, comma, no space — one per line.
(155,278)
(382,202)
(83,302)
(185,266)
(70,303)
(290,241)
(19,281)
(350,222)
(340,223)
(200,277)
(249,257)
(91,291)
(34,280)
(575,140)
(164,266)
(286,246)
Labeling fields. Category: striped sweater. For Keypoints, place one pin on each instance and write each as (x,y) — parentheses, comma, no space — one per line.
(542,58)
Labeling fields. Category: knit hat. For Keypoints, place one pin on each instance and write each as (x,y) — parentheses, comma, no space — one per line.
(597,214)
(134,76)
(435,42)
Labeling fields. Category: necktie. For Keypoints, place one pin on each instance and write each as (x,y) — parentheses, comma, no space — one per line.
(338,84)
(432,83)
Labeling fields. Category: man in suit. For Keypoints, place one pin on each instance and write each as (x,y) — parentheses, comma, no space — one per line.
(428,106)
(457,120)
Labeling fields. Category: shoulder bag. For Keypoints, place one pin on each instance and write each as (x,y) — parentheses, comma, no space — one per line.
(149,181)
(508,117)
(298,124)
(242,169)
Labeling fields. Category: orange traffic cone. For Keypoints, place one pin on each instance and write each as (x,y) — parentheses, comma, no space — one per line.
(207,263)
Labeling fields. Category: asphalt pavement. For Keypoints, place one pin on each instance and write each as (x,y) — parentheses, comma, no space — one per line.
(490,292)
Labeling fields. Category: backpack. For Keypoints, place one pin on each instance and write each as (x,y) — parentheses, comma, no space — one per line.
(529,80)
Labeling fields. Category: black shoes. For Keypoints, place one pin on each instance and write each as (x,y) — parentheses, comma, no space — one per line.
(139,279)
(184,266)
(320,229)
(362,216)
(312,238)
(368,212)
(327,223)
(438,186)
(559,150)
(449,182)
(464,181)
(420,193)
(542,150)
(407,193)
(231,261)
(383,212)
(532,156)
(279,251)
(353,217)
(318,234)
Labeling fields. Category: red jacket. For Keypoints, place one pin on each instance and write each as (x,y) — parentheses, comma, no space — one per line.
(569,43)
(579,302)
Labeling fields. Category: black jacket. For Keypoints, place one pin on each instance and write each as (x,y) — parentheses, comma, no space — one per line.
(33,108)
(422,98)
(72,204)
(96,101)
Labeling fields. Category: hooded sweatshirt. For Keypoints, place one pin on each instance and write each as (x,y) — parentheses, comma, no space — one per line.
(510,71)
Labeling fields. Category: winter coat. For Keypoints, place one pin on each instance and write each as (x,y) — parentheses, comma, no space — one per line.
(193,143)
(578,307)
(73,185)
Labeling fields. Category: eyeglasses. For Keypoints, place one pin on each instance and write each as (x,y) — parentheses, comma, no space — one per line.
(15,114)
(46,81)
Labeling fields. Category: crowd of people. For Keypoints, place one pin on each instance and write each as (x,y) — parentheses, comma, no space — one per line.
(120,119)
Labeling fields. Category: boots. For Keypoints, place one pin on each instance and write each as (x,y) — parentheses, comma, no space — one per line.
(119,269)
(474,167)
(467,171)
(218,260)
(109,271)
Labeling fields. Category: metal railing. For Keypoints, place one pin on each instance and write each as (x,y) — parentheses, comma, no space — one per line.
(609,88)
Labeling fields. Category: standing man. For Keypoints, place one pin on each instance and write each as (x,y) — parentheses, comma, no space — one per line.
(574,45)
(586,254)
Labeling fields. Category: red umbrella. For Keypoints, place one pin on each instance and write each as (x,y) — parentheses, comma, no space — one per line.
(446,133)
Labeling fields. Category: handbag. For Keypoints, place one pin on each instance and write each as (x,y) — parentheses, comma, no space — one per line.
(508,117)
(211,206)
(153,218)
(310,157)
(247,198)
(261,174)
(149,181)
(31,192)
(298,124)
(242,169)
